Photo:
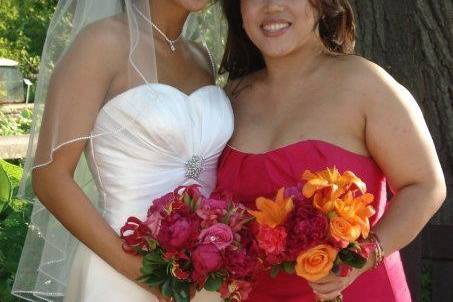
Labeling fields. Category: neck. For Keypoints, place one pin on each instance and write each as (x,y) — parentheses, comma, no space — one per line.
(169,17)
(297,64)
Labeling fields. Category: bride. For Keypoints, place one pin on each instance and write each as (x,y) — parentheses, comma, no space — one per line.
(126,110)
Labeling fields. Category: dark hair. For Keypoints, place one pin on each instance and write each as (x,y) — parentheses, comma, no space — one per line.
(335,23)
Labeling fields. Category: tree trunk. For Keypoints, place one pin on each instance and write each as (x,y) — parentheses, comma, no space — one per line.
(413,41)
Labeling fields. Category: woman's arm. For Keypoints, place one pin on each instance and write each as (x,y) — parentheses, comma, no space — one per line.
(76,92)
(398,139)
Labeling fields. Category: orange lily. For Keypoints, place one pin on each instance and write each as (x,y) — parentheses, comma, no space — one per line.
(323,203)
(331,183)
(273,213)
(356,210)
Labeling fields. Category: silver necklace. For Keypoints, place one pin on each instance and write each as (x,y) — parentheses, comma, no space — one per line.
(170,42)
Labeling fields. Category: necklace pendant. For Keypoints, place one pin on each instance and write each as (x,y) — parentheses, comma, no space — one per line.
(172,47)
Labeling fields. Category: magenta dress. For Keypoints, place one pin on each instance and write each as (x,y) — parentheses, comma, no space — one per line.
(247,176)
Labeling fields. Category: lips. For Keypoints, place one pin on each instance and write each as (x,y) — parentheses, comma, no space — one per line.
(275,27)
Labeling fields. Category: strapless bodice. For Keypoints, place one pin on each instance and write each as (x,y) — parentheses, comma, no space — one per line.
(153,138)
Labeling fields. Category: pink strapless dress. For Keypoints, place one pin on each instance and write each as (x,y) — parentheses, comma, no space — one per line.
(247,176)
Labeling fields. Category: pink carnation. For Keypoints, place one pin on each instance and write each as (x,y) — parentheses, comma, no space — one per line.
(272,240)
(238,263)
(306,228)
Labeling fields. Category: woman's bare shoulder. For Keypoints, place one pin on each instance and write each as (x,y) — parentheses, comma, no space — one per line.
(106,33)
(369,83)
(236,87)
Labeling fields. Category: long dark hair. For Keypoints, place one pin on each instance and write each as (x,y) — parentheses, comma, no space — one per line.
(335,23)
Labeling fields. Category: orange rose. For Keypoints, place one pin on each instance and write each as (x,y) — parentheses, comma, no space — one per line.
(316,263)
(343,230)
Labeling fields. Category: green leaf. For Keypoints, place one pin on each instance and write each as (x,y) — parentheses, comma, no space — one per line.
(152,244)
(156,280)
(181,298)
(354,245)
(154,257)
(352,258)
(6,189)
(213,283)
(166,288)
(275,270)
(289,267)
(187,200)
(14,172)
(181,290)
(148,269)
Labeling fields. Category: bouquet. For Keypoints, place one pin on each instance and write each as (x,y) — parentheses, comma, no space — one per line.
(190,241)
(317,227)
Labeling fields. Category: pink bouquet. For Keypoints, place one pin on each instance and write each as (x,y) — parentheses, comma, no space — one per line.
(189,240)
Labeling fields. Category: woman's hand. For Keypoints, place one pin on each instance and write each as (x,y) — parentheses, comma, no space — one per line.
(330,287)
(130,266)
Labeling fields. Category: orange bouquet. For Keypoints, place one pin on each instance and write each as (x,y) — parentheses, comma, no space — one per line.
(317,227)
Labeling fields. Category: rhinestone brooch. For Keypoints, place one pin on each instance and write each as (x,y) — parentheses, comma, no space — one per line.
(194,167)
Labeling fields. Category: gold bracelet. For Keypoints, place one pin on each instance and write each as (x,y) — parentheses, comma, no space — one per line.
(338,298)
(378,251)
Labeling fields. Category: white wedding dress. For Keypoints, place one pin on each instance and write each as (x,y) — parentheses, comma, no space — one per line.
(146,142)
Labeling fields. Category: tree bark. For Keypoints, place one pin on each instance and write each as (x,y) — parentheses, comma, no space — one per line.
(413,41)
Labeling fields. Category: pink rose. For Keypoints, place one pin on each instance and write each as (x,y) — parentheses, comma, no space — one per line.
(219,234)
(153,222)
(206,258)
(272,240)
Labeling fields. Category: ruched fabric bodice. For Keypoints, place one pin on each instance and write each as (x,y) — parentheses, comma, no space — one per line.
(247,176)
(145,143)
(153,138)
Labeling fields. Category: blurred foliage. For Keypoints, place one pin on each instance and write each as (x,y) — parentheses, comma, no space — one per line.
(14,214)
(15,124)
(209,27)
(23,28)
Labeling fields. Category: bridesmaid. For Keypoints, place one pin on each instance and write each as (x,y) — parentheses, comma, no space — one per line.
(303,101)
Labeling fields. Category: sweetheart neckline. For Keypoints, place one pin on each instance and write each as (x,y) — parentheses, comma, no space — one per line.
(127,91)
(301,142)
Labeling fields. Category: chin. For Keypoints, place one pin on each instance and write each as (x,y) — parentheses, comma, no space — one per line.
(193,5)
(276,50)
